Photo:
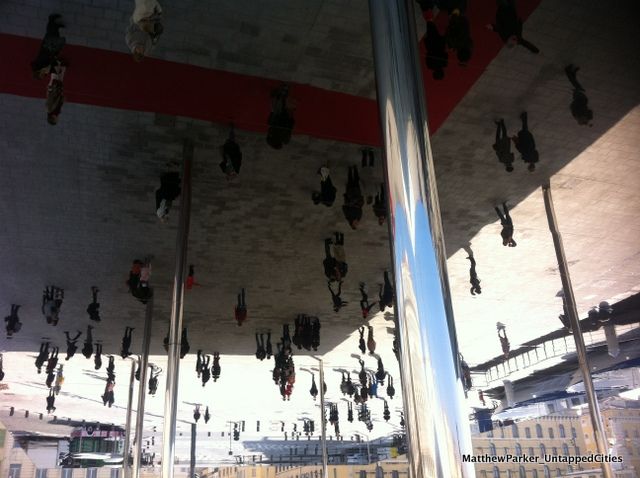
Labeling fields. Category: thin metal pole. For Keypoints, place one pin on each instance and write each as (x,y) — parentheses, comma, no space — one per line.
(323,426)
(192,467)
(175,327)
(438,431)
(142,387)
(127,426)
(574,321)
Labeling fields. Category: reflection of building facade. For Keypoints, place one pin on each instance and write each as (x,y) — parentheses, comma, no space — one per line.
(622,425)
(384,469)
(558,435)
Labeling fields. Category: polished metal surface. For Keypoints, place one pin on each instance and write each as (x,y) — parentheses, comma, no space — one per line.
(323,425)
(142,387)
(572,313)
(127,426)
(177,309)
(192,463)
(437,428)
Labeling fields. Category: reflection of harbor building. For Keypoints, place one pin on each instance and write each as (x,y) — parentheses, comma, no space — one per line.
(565,433)
(622,426)
(397,468)
(95,445)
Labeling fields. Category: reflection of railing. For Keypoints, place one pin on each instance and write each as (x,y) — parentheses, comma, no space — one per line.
(535,357)
(92,472)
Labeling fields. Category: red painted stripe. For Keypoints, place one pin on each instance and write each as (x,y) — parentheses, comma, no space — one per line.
(110,79)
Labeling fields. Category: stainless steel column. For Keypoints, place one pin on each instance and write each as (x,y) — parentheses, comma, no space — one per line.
(175,328)
(127,426)
(574,321)
(192,465)
(142,387)
(323,425)
(437,427)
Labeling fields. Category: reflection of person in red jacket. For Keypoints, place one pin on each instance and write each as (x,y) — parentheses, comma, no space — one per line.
(191,281)
(241,309)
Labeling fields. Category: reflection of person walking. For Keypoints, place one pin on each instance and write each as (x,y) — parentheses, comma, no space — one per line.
(473,277)
(504,341)
(502,146)
(240,311)
(507,226)
(145,28)
(327,194)
(93,309)
(55,93)
(526,144)
(353,198)
(87,350)
(380,205)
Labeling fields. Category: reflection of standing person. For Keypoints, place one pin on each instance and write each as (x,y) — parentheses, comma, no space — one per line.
(50,48)
(380,205)
(87,350)
(51,400)
(504,341)
(327,194)
(353,198)
(170,188)
(126,342)
(12,321)
(526,144)
(231,156)
(386,293)
(509,26)
(71,344)
(473,277)
(502,146)
(240,311)
(507,226)
(93,309)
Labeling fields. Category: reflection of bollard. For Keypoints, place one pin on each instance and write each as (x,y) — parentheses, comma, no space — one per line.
(12,411)
(41,416)
(26,413)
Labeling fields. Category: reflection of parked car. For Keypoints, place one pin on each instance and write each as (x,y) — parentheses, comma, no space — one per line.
(356,459)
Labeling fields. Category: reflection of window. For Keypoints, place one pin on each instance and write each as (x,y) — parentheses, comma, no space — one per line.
(522,473)
(363,473)
(543,449)
(514,431)
(14,470)
(565,449)
(574,434)
(554,450)
(577,450)
(492,449)
(92,473)
(539,431)
(558,472)
(534,474)
(67,473)
(394,473)
(115,473)
(496,472)
(561,430)
(483,474)
(530,450)
(41,473)
(518,449)
(550,432)
(527,432)
(547,473)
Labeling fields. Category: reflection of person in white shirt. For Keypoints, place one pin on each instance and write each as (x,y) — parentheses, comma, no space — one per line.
(145,28)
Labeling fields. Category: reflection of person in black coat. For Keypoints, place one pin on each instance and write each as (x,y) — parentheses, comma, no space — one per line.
(386,293)
(50,48)
(13,323)
(87,350)
(93,309)
(526,144)
(42,356)
(436,46)
(353,198)
(231,157)
(507,226)
(502,146)
(51,400)
(380,205)
(169,190)
(509,26)
(327,194)
(126,342)
(281,120)
(71,344)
